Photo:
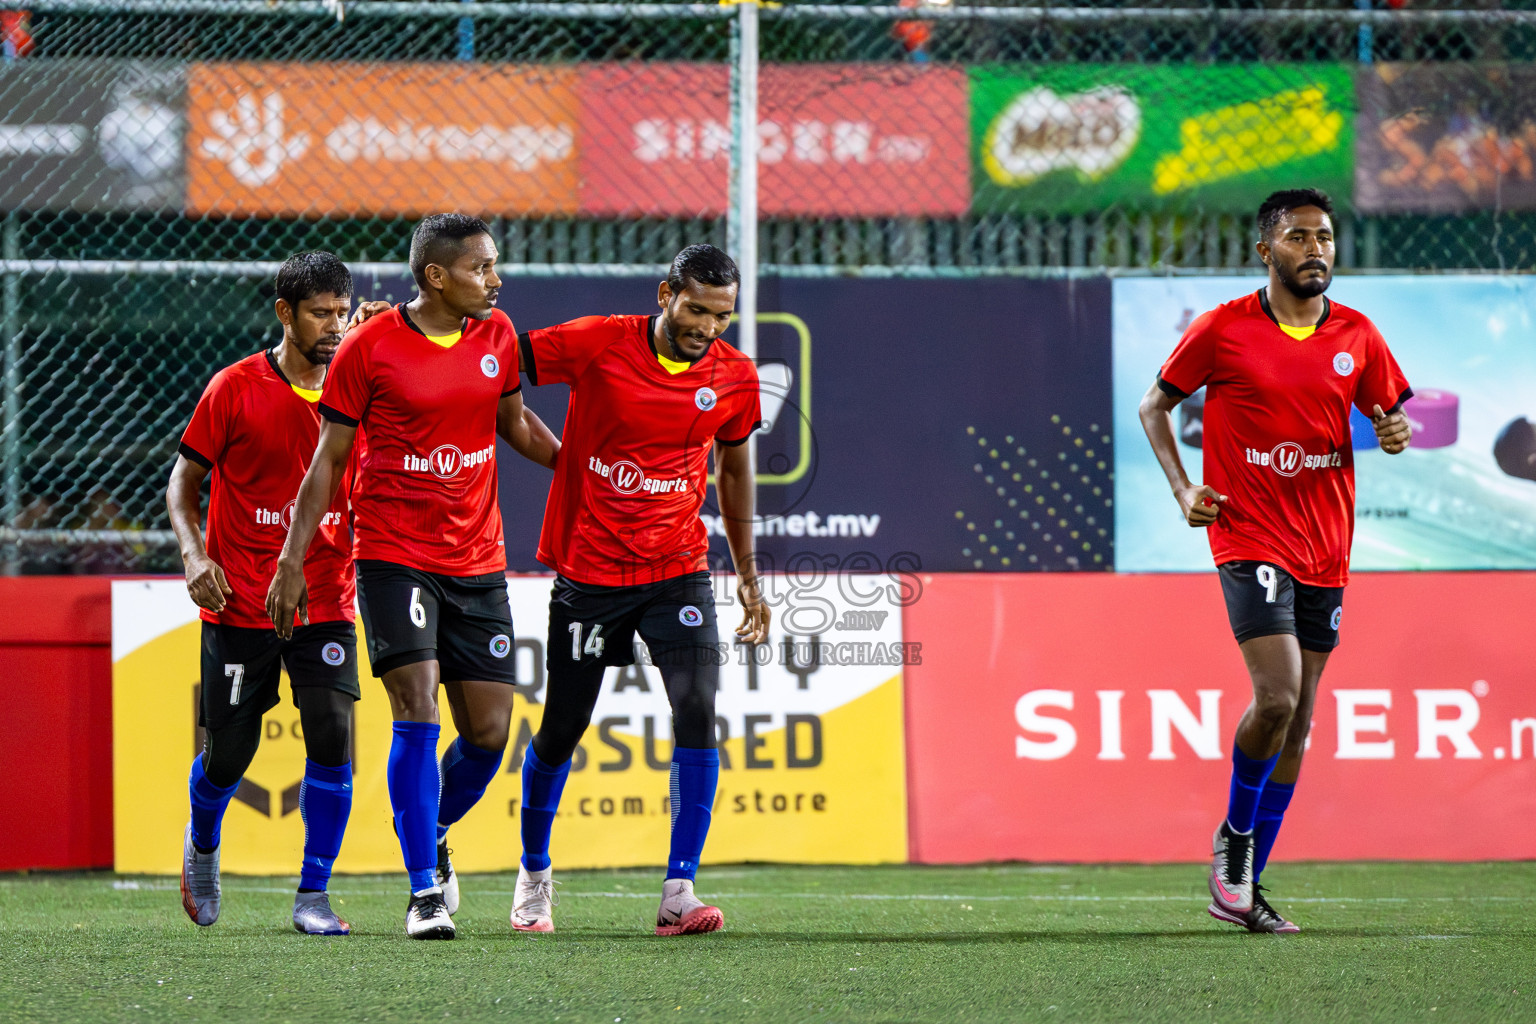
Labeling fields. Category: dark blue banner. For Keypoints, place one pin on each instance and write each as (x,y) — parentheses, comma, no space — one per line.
(933,425)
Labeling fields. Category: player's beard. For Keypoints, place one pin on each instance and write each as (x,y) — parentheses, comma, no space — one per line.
(319,358)
(669,330)
(1290,279)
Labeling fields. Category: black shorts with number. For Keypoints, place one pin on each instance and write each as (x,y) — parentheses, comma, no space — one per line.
(597,625)
(241,668)
(462,622)
(1263,600)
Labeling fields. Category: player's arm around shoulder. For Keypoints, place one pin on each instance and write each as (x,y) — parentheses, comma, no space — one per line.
(1199,504)
(528,435)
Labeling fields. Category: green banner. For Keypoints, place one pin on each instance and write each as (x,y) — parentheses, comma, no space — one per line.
(1072,138)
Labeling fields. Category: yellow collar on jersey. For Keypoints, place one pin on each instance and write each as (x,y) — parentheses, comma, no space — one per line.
(1299,333)
(306,394)
(445,340)
(672,366)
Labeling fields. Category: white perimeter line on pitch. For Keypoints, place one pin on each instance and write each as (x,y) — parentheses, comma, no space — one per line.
(891,897)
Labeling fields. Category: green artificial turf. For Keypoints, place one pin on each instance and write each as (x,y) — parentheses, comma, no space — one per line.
(1387,942)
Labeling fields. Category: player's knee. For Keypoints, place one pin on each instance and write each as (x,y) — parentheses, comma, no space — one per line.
(693,721)
(488,735)
(556,744)
(409,702)
(1275,707)
(326,716)
(228,752)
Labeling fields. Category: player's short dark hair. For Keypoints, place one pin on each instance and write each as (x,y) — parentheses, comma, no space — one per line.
(703,264)
(1283,202)
(307,274)
(438,239)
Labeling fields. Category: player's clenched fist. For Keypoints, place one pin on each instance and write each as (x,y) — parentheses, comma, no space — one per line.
(1392,429)
(1200,504)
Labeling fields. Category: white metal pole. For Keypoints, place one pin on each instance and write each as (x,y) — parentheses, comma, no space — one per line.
(744,174)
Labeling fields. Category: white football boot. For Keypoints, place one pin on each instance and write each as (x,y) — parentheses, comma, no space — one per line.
(534,902)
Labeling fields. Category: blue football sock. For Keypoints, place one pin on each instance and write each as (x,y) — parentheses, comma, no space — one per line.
(466,770)
(695,773)
(542,786)
(1272,804)
(1248,778)
(325,803)
(208,803)
(413,788)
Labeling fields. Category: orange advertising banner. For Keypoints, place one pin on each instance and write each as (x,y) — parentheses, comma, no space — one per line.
(280,139)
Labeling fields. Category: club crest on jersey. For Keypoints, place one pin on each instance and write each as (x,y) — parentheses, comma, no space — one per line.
(501,644)
(333,654)
(1344,364)
(705,399)
(688,615)
(489,366)
(1333,622)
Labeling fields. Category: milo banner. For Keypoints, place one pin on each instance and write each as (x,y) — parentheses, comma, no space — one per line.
(1079,137)
(1443,138)
(812,762)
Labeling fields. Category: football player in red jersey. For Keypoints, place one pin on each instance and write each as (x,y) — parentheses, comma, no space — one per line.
(651,397)
(431,383)
(1281,369)
(255,429)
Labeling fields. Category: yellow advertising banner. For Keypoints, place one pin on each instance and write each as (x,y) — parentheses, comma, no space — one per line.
(813,768)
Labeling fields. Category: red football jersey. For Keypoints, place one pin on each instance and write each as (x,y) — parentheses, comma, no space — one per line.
(1277,429)
(426,491)
(257,436)
(624,505)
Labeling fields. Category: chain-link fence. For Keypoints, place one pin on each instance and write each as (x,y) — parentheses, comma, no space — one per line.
(154,153)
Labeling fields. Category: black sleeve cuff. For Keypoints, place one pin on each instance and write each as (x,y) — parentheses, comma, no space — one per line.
(1171,391)
(193,455)
(740,440)
(1407,394)
(514,391)
(337,417)
(525,347)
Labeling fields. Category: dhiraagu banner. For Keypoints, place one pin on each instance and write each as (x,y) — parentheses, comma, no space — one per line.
(812,751)
(1073,138)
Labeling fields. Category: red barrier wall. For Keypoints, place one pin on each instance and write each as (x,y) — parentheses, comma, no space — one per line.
(1090,718)
(56,723)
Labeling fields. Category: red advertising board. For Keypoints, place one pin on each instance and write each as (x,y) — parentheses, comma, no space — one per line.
(1090,718)
(836,140)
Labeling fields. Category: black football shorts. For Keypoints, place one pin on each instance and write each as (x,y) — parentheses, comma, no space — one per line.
(462,622)
(597,625)
(241,668)
(1263,600)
